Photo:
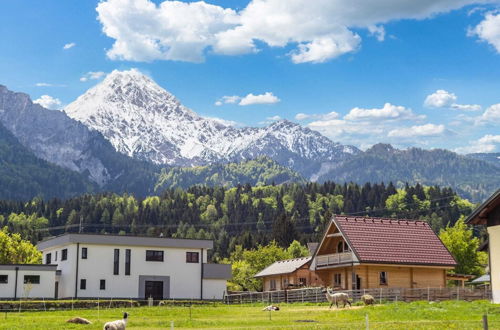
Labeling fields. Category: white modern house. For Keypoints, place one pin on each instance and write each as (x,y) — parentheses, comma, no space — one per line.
(112,266)
(27,281)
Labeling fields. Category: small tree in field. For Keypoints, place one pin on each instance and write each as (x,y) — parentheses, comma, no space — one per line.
(462,244)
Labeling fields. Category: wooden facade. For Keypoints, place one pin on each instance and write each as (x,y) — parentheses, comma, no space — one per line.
(302,277)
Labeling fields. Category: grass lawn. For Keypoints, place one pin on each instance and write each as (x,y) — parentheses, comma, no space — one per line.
(416,315)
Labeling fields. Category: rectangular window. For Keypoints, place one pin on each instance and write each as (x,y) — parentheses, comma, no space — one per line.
(83,284)
(4,279)
(383,278)
(127,261)
(33,279)
(116,262)
(55,257)
(272,285)
(84,253)
(302,281)
(102,285)
(193,257)
(152,255)
(64,254)
(48,258)
(337,280)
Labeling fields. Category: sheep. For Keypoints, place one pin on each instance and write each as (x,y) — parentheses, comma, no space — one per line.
(368,299)
(118,324)
(334,298)
(78,320)
(271,308)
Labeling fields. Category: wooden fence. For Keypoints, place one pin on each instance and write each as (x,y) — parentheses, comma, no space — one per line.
(316,295)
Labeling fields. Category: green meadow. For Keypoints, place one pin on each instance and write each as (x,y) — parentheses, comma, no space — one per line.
(416,315)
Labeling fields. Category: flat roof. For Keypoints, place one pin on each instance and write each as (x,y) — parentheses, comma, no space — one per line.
(70,238)
(39,267)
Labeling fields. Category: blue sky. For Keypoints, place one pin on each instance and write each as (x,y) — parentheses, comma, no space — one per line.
(358,78)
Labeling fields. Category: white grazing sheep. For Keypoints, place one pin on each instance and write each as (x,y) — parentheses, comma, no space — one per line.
(271,308)
(334,298)
(118,324)
(368,299)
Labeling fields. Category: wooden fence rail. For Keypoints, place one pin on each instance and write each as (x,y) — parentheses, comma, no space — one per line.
(381,295)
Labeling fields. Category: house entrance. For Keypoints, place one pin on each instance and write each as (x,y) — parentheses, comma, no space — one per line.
(154,289)
(358,283)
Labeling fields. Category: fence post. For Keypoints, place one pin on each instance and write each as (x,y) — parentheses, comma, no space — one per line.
(428,294)
(171,325)
(367,322)
(98,310)
(380,297)
(485,322)
(458,292)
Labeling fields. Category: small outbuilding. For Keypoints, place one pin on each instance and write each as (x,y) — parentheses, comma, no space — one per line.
(27,281)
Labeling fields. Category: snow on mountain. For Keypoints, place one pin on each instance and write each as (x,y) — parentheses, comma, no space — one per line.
(144,121)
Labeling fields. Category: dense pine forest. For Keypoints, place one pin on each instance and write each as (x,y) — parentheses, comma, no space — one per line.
(243,215)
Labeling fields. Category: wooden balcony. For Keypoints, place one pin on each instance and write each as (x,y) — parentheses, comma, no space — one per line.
(327,260)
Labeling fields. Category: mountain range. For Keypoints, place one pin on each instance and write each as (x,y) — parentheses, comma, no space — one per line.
(127,134)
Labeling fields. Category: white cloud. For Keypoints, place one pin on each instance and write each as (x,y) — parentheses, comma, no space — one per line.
(492,113)
(92,75)
(320,30)
(48,102)
(440,99)
(327,116)
(418,131)
(225,122)
(387,112)
(249,99)
(274,118)
(42,84)
(266,98)
(488,30)
(69,45)
(377,31)
(228,100)
(445,99)
(487,143)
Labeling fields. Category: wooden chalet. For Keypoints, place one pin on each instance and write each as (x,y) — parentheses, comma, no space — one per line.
(488,214)
(289,274)
(365,253)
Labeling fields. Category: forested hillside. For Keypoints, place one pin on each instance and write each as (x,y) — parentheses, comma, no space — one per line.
(243,215)
(257,172)
(471,178)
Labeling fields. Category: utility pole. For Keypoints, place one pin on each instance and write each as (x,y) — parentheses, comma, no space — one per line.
(80,228)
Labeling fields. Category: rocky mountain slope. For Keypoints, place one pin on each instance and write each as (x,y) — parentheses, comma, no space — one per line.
(55,137)
(25,176)
(144,121)
(492,158)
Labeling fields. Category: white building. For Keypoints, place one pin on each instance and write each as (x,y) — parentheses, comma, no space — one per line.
(27,281)
(109,266)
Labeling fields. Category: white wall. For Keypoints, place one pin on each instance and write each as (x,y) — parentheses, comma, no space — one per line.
(185,278)
(494,247)
(45,289)
(214,289)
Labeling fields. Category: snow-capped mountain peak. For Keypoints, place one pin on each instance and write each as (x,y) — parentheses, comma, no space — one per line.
(143,120)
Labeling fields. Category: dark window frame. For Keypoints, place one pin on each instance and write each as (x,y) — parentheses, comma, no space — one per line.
(64,254)
(27,278)
(155,255)
(128,257)
(55,256)
(6,277)
(193,257)
(272,285)
(302,281)
(383,278)
(84,253)
(337,279)
(83,284)
(102,285)
(48,258)
(116,262)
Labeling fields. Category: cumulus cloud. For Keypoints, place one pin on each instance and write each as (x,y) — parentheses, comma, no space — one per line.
(69,45)
(488,30)
(319,30)
(445,99)
(249,99)
(48,102)
(492,113)
(225,122)
(387,112)
(92,75)
(418,131)
(327,116)
(487,143)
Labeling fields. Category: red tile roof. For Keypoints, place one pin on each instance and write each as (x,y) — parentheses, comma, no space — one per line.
(381,240)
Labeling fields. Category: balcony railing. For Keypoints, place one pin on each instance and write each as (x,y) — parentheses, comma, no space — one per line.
(333,259)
